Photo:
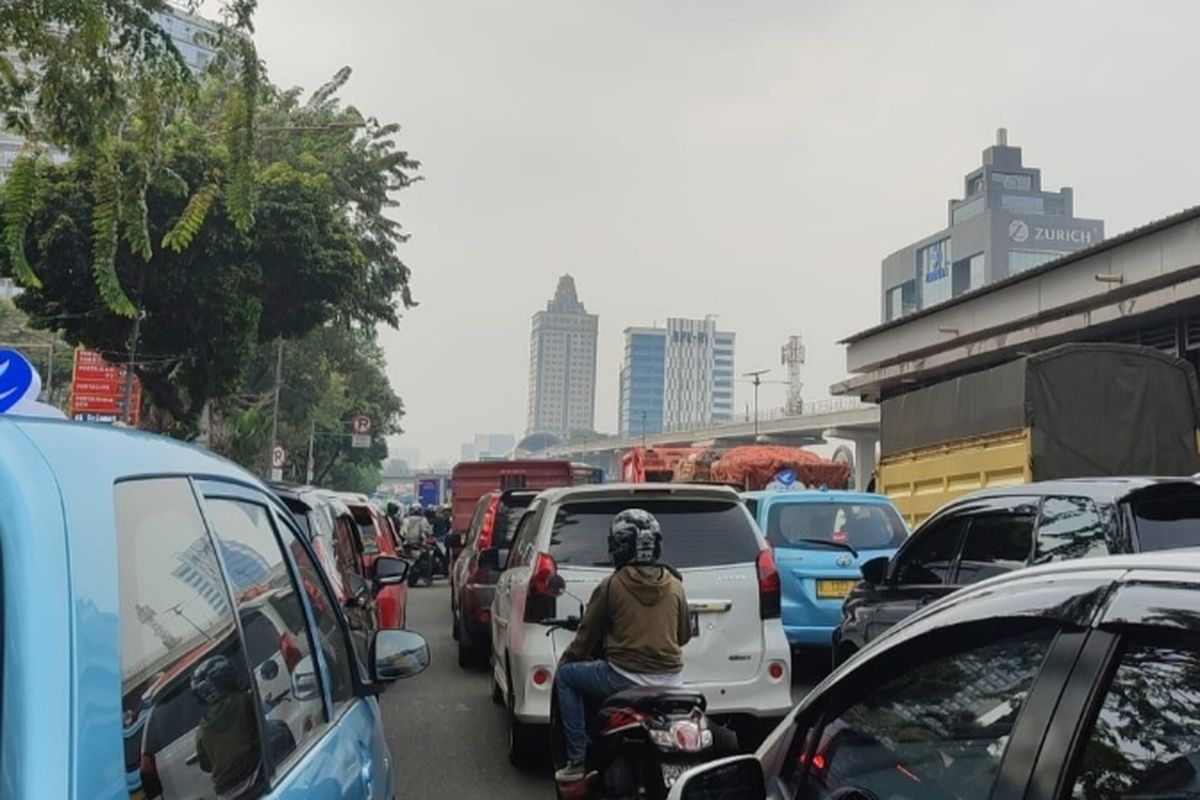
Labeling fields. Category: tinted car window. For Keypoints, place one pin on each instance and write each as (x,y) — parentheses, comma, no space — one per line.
(477,517)
(696,533)
(338,659)
(1167,521)
(931,553)
(1146,739)
(280,651)
(938,730)
(176,620)
(522,552)
(511,511)
(1070,527)
(995,544)
(862,526)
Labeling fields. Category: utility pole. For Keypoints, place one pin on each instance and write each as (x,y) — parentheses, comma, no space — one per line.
(756,379)
(310,464)
(275,404)
(643,429)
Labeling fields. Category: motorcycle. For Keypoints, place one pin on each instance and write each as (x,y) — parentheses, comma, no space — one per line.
(429,560)
(641,740)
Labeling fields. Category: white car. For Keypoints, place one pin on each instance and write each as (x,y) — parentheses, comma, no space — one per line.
(738,656)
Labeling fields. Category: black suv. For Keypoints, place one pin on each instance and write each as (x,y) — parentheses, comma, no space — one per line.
(996,531)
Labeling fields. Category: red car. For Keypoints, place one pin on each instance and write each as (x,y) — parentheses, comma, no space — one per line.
(376,538)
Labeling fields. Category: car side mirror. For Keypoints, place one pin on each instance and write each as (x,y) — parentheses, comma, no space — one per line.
(390,571)
(494,558)
(875,570)
(398,654)
(557,586)
(740,776)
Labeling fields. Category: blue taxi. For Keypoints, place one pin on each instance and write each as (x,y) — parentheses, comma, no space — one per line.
(821,538)
(168,634)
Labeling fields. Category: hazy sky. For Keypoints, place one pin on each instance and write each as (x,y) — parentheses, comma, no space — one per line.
(753,160)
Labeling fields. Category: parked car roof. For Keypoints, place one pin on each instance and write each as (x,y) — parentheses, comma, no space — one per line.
(605,491)
(815,496)
(1105,490)
(126,452)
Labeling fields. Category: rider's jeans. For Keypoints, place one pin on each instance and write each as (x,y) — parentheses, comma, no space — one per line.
(576,684)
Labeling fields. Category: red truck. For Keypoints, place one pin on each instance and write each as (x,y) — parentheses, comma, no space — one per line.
(471,480)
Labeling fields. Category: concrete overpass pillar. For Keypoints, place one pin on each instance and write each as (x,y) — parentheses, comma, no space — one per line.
(865,443)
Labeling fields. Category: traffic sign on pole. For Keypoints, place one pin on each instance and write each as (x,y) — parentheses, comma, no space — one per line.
(361,424)
(360,441)
(278,457)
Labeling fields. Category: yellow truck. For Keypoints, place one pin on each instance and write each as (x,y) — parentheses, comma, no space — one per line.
(1073,411)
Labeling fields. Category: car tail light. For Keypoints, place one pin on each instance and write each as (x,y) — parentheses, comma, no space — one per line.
(768,585)
(290,652)
(540,677)
(540,602)
(776,670)
(150,780)
(488,527)
(484,615)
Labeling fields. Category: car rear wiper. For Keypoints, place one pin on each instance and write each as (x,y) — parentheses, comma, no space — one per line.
(827,543)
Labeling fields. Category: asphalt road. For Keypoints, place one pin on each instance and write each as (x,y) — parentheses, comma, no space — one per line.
(447,738)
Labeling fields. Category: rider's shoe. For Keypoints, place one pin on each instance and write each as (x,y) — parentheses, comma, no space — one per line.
(571,773)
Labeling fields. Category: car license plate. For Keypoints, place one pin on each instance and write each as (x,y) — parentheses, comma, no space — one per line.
(834,589)
(672,772)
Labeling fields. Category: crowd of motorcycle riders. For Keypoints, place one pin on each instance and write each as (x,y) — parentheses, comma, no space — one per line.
(423,533)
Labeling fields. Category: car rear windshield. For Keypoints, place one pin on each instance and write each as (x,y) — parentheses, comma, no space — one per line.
(863,526)
(1167,519)
(696,533)
(512,508)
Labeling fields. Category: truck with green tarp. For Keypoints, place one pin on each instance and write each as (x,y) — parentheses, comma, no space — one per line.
(1073,411)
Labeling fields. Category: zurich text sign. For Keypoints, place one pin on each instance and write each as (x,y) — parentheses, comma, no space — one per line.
(1021,231)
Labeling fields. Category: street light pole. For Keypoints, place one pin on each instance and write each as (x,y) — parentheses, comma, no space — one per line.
(643,429)
(756,379)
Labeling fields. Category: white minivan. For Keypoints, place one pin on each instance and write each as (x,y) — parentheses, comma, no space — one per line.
(738,656)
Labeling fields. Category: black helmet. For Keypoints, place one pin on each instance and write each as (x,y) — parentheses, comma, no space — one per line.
(635,537)
(213,679)
(392,509)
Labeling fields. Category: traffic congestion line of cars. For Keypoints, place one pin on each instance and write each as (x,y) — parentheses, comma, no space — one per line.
(169,630)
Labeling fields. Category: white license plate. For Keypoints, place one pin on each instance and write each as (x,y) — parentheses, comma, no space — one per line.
(672,772)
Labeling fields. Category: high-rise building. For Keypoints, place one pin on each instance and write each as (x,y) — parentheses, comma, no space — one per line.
(562,365)
(488,445)
(676,377)
(1004,224)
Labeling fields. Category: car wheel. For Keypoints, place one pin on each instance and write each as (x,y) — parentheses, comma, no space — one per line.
(522,737)
(843,654)
(469,656)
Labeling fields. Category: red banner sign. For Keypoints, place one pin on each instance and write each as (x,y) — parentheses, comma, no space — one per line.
(98,390)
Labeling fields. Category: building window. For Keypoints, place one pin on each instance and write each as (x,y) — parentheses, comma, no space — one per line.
(902,300)
(1021,260)
(933,265)
(1022,204)
(1012,181)
(964,211)
(968,274)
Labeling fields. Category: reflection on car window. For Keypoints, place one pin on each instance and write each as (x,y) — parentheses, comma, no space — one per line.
(338,659)
(279,649)
(696,533)
(863,527)
(185,684)
(928,558)
(995,544)
(1167,521)
(1146,741)
(1070,527)
(938,731)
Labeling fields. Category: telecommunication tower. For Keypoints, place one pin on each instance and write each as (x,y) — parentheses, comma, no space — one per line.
(793,359)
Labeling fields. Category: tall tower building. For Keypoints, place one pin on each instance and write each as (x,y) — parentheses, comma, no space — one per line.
(562,365)
(1005,223)
(676,377)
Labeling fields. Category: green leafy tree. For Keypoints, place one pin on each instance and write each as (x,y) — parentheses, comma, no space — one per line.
(102,80)
(216,291)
